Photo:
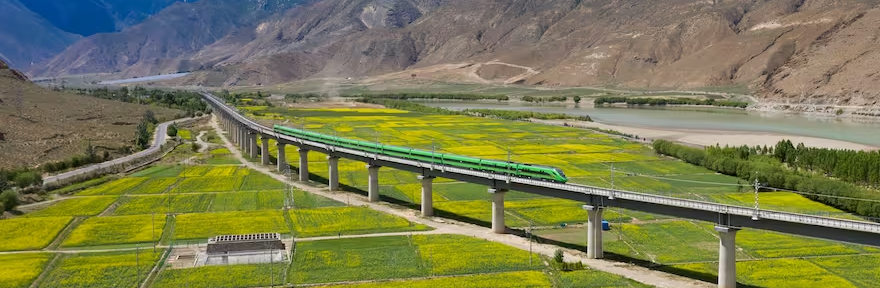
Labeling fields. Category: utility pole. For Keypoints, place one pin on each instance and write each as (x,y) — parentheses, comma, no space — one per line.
(529,234)
(757,187)
(611,195)
(154,230)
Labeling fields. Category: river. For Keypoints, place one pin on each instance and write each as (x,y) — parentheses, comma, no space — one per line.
(856,130)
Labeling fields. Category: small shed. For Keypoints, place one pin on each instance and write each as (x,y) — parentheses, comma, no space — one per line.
(249,243)
(605,225)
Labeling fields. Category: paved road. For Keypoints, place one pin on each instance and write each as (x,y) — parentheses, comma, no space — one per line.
(159,139)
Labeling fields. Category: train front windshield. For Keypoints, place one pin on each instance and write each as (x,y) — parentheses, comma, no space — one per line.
(560,173)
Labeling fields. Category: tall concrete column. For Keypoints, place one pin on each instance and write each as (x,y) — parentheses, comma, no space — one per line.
(241,140)
(252,142)
(497,210)
(282,161)
(373,191)
(264,150)
(303,164)
(333,172)
(727,257)
(427,195)
(594,232)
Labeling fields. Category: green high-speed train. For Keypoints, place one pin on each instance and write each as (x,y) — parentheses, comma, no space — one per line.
(522,170)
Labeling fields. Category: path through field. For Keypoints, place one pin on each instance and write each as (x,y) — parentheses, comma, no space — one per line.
(640,274)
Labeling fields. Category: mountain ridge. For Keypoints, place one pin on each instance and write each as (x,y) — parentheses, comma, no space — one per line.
(774,47)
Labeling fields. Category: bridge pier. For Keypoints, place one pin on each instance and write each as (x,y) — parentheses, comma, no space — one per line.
(333,172)
(242,140)
(427,195)
(497,210)
(252,143)
(303,164)
(282,161)
(264,150)
(727,257)
(373,191)
(594,231)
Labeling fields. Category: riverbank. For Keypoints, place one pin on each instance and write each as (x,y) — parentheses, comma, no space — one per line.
(708,137)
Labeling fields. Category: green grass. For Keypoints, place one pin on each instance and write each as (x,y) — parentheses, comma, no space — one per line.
(185,203)
(306,200)
(116,230)
(260,182)
(160,171)
(85,206)
(356,259)
(228,276)
(669,242)
(201,226)
(347,221)
(100,270)
(30,233)
(19,270)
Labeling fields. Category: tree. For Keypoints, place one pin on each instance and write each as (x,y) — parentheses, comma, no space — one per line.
(559,257)
(142,136)
(577,99)
(150,117)
(172,131)
(90,151)
(26,179)
(9,199)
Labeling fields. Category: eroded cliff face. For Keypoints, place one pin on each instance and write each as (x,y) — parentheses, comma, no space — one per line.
(785,50)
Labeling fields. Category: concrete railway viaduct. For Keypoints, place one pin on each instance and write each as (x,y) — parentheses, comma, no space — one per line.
(253,139)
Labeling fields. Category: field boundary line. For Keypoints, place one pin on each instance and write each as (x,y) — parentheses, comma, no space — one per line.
(46,269)
(56,243)
(148,281)
(406,279)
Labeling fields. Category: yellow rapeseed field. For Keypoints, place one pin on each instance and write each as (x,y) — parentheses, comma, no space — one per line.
(528,279)
(116,230)
(30,233)
(348,221)
(19,270)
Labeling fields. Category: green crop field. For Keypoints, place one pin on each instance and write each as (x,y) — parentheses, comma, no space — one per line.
(154,186)
(201,226)
(507,279)
(595,279)
(227,276)
(393,257)
(115,187)
(210,184)
(356,259)
(19,270)
(259,182)
(348,221)
(85,206)
(186,203)
(116,230)
(246,201)
(100,270)
(30,233)
(160,171)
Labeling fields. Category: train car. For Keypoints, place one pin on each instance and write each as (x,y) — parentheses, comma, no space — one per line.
(522,170)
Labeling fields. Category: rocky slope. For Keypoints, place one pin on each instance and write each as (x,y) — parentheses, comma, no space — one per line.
(41,125)
(29,38)
(816,51)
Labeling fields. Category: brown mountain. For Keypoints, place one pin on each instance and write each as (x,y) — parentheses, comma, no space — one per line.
(29,38)
(786,50)
(41,125)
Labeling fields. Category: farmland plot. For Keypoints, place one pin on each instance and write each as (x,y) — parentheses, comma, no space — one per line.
(499,280)
(596,279)
(116,187)
(210,184)
(260,182)
(85,206)
(347,220)
(228,276)
(100,270)
(205,225)
(456,254)
(30,233)
(19,270)
(248,201)
(116,230)
(154,186)
(356,259)
(159,204)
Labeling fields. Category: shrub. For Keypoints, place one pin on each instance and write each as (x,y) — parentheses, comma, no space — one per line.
(9,200)
(172,131)
(28,178)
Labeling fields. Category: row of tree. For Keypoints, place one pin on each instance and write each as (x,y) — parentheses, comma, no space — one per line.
(89,157)
(21,178)
(521,115)
(501,114)
(446,96)
(188,101)
(537,99)
(861,167)
(759,163)
(652,101)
